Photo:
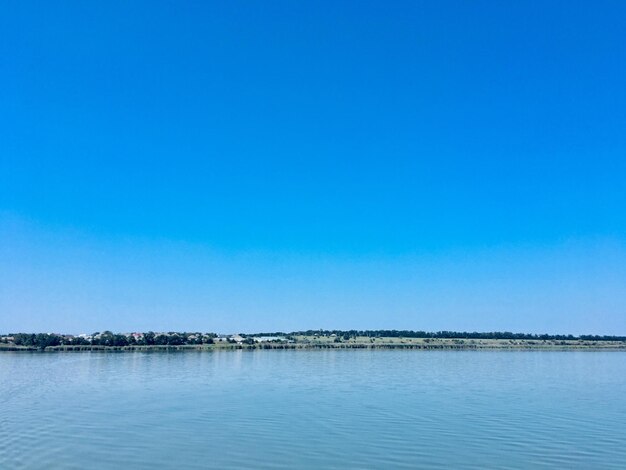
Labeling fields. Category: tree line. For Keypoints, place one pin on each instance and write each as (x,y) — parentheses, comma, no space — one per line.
(444,335)
(108,338)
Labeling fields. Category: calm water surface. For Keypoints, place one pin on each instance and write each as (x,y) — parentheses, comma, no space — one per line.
(313,409)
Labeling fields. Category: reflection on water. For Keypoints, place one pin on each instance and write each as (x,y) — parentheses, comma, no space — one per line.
(313,409)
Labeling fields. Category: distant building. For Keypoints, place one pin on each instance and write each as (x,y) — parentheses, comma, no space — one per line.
(267,339)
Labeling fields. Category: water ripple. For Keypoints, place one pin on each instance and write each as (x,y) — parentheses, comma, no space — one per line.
(313,409)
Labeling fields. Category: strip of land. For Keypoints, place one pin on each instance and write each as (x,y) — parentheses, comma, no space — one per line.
(322,339)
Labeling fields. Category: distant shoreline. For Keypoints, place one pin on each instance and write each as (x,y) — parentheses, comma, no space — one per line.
(442,344)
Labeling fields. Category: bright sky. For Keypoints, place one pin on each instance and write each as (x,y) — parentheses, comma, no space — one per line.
(259,166)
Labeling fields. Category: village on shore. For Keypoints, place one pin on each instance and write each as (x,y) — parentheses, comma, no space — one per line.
(310,339)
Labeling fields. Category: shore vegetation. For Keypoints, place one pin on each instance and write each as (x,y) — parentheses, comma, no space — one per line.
(381,339)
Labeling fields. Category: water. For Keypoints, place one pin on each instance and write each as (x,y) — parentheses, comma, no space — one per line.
(313,409)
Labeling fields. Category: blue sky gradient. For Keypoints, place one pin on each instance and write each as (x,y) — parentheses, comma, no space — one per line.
(241,166)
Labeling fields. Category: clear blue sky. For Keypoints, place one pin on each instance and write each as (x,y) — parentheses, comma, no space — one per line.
(244,166)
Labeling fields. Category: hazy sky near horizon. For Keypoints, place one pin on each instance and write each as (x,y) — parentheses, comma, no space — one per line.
(261,166)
